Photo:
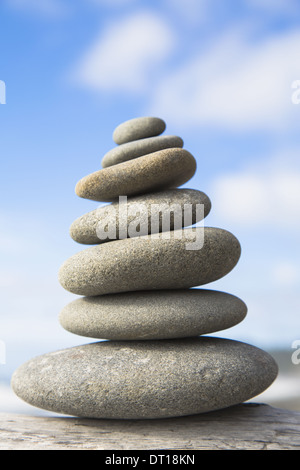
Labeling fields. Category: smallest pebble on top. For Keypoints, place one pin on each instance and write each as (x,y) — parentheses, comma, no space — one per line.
(138,128)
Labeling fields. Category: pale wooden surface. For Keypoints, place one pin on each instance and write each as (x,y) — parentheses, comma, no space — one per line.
(248,427)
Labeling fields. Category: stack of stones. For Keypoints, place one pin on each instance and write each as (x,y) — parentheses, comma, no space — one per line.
(137,287)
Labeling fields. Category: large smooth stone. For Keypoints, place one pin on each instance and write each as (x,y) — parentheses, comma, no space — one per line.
(138,128)
(169,260)
(138,148)
(167,168)
(141,215)
(145,379)
(153,315)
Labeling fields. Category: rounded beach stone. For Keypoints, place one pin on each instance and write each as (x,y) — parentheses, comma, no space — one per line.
(138,128)
(169,260)
(150,315)
(141,215)
(167,168)
(138,148)
(145,379)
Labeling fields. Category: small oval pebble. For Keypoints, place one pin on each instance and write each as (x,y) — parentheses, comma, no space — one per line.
(153,315)
(138,148)
(145,379)
(141,215)
(159,170)
(170,260)
(138,128)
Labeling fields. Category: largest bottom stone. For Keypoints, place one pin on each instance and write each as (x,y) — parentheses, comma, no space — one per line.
(145,379)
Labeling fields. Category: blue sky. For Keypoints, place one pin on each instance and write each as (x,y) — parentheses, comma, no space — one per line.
(219,73)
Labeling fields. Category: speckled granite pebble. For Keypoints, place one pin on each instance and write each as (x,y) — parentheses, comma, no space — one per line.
(153,315)
(161,261)
(167,168)
(138,148)
(138,128)
(145,379)
(141,215)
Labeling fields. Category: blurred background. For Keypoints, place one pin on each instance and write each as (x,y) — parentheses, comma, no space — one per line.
(223,75)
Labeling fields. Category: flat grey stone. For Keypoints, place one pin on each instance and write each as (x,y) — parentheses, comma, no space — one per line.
(138,148)
(167,168)
(141,215)
(145,379)
(153,314)
(170,260)
(138,128)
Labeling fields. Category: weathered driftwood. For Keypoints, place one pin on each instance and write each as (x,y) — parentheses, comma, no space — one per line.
(243,427)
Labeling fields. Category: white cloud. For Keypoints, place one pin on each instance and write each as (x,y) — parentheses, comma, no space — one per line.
(126,54)
(266,194)
(285,273)
(46,8)
(236,84)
